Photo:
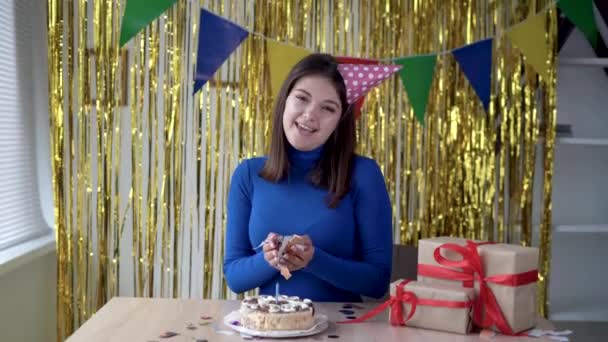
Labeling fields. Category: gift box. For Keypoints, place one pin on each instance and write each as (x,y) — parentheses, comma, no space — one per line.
(436,307)
(504,277)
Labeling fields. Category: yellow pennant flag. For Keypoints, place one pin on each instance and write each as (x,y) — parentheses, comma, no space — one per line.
(529,38)
(282,58)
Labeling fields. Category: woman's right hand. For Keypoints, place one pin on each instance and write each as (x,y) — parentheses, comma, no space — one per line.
(271,249)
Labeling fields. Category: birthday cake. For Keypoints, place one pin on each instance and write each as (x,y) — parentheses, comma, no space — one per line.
(264,313)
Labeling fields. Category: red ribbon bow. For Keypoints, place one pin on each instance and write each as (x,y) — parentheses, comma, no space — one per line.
(472,270)
(402,296)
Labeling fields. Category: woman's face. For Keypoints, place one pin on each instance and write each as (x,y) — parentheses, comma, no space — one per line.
(312,112)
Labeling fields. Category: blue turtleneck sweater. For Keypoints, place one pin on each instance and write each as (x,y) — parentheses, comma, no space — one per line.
(353,242)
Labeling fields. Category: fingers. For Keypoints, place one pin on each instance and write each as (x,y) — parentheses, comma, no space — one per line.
(301,239)
(292,262)
(270,245)
(271,242)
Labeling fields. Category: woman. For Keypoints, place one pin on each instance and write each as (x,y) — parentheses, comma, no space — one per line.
(311,185)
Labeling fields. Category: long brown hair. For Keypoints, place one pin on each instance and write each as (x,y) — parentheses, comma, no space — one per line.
(333,171)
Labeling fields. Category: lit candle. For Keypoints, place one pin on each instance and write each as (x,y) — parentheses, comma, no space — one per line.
(276,291)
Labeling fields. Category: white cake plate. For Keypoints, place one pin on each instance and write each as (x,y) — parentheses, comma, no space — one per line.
(321,323)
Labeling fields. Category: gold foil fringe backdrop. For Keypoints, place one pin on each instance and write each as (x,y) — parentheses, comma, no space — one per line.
(141,167)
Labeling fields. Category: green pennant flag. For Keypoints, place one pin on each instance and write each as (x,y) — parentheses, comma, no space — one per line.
(138,14)
(417,77)
(580,12)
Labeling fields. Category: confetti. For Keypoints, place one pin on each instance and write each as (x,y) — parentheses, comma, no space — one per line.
(206,317)
(351,317)
(204,323)
(201,340)
(351,306)
(168,334)
(190,326)
(347,312)
(333,336)
(237,323)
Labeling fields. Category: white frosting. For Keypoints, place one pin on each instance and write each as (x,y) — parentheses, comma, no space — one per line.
(253,306)
(274,308)
(307,301)
(288,308)
(303,306)
(294,298)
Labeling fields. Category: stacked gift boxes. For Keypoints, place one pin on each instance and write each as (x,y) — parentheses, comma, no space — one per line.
(462,283)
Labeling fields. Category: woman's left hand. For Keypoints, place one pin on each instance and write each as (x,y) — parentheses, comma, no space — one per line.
(298,253)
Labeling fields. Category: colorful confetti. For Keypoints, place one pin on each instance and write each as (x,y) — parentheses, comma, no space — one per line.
(347,312)
(190,326)
(351,305)
(333,336)
(351,317)
(237,323)
(206,317)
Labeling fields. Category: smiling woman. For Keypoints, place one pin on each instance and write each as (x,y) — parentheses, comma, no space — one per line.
(313,186)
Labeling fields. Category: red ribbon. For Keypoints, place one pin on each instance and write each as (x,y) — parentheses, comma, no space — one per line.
(402,296)
(472,270)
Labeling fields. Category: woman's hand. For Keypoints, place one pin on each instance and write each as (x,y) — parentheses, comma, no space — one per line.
(271,248)
(298,253)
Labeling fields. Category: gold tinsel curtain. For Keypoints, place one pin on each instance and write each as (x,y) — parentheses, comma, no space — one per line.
(141,166)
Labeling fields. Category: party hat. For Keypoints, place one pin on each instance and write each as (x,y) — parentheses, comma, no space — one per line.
(360,79)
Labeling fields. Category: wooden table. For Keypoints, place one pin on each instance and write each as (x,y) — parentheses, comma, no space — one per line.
(144,319)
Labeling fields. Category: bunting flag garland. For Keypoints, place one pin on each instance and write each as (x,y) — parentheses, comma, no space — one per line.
(417,77)
(217,39)
(138,14)
(529,38)
(580,13)
(475,60)
(282,58)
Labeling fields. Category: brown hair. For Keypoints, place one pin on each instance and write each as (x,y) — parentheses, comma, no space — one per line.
(333,171)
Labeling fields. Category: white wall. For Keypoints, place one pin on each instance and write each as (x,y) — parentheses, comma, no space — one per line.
(28,301)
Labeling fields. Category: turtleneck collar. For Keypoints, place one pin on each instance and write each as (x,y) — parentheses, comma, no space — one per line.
(304,159)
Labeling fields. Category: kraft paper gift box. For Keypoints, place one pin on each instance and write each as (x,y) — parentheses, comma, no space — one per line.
(437,316)
(517,302)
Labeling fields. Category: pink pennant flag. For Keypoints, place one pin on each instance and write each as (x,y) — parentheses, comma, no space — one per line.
(361,78)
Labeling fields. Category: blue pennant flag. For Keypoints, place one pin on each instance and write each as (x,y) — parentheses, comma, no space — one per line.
(475,60)
(217,39)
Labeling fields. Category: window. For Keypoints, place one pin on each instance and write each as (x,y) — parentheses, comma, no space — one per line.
(20,213)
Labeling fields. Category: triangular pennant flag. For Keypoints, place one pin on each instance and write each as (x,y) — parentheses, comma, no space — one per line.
(217,39)
(282,57)
(475,60)
(361,78)
(138,14)
(529,38)
(354,60)
(580,13)
(417,77)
